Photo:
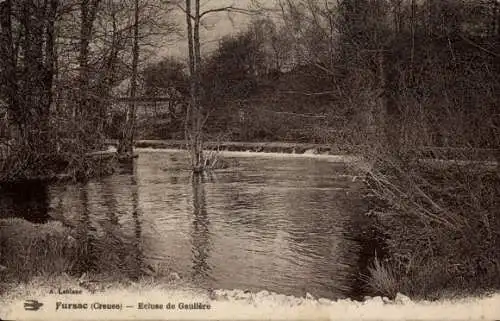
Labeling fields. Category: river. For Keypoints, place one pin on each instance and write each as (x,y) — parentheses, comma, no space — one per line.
(285,224)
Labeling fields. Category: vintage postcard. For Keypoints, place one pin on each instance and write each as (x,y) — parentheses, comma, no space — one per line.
(249,160)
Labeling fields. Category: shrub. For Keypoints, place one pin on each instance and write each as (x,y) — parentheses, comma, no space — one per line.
(442,226)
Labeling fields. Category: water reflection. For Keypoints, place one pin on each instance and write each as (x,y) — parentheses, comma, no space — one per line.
(200,235)
(107,225)
(136,245)
(86,237)
(28,200)
(275,224)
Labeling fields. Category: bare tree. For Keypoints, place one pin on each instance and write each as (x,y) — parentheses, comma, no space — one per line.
(8,83)
(108,38)
(126,144)
(196,115)
(28,58)
(193,129)
(88,12)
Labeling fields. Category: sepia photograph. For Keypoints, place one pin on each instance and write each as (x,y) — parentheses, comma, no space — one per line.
(249,159)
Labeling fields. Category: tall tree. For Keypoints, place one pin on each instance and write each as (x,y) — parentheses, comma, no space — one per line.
(8,83)
(127,142)
(196,115)
(28,66)
(194,123)
(86,110)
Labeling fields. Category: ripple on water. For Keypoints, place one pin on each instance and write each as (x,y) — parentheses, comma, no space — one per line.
(274,223)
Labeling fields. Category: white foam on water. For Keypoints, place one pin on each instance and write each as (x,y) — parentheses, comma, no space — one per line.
(334,158)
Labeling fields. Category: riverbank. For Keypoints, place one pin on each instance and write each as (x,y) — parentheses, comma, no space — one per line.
(57,167)
(121,301)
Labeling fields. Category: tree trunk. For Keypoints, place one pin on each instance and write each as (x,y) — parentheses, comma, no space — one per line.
(495,28)
(85,113)
(85,34)
(48,68)
(194,116)
(37,20)
(127,143)
(198,117)
(105,84)
(8,77)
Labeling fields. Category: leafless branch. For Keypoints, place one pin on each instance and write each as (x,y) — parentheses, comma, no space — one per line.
(230,9)
(479,46)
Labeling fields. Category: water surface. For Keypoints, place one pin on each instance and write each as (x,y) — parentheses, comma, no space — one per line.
(283,224)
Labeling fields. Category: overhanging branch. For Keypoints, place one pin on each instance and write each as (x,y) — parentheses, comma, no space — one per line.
(222,9)
(230,9)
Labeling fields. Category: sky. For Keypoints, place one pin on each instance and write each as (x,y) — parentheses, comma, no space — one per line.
(217,25)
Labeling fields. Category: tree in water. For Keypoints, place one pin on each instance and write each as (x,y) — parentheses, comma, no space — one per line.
(197,115)
(194,118)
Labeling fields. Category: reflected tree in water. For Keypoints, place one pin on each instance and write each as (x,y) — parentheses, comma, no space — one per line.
(138,261)
(110,201)
(200,234)
(86,258)
(109,250)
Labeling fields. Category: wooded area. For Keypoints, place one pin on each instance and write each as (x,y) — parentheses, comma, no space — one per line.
(423,74)
(357,72)
(61,61)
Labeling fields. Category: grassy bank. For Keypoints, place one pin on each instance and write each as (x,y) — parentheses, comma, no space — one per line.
(65,152)
(442,228)
(31,249)
(74,250)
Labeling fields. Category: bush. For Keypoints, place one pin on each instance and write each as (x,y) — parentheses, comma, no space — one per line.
(65,151)
(442,226)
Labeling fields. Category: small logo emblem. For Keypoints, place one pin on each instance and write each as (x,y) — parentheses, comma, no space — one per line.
(32,305)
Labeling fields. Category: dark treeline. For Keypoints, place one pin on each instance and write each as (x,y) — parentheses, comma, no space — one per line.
(60,62)
(422,73)
(349,73)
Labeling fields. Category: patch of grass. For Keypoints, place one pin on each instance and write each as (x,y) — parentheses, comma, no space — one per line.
(52,249)
(31,249)
(382,279)
(42,285)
